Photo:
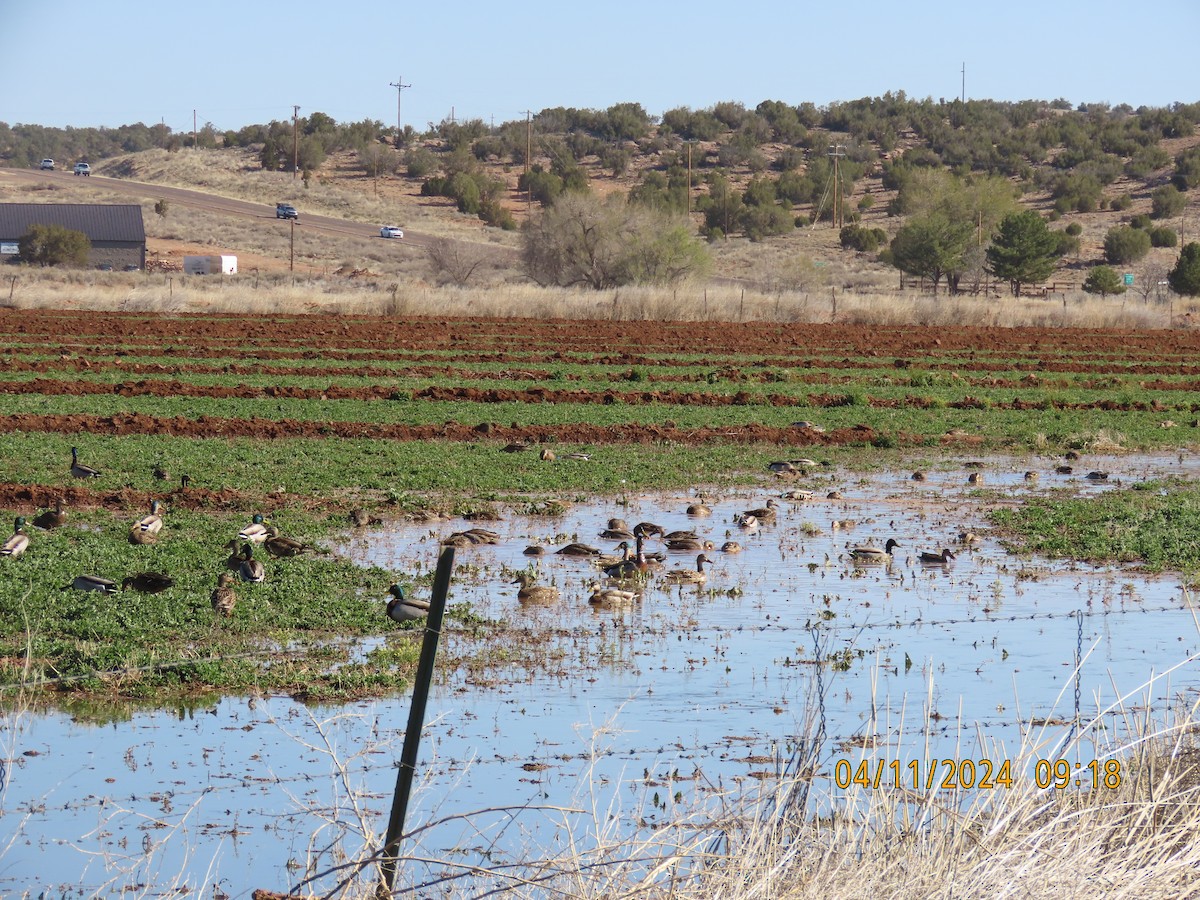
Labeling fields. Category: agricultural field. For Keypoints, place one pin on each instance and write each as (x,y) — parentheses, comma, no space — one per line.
(303,419)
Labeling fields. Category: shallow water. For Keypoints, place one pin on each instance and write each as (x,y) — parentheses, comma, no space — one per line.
(700,692)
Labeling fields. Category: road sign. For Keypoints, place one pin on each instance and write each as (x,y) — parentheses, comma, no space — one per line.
(1128,279)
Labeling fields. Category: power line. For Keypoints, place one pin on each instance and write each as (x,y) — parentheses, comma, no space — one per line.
(399,85)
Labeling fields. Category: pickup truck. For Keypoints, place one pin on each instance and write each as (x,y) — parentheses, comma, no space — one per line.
(286,211)
(82,168)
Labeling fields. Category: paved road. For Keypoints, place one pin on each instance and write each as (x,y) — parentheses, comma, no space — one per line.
(214,203)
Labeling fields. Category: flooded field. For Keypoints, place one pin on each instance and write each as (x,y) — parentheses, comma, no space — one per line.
(598,724)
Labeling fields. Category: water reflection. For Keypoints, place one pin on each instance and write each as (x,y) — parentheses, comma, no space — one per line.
(705,689)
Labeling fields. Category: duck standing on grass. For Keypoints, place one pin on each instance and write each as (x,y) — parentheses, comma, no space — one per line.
(224,598)
(405,609)
(94,583)
(249,568)
(78,469)
(52,518)
(256,531)
(278,545)
(16,544)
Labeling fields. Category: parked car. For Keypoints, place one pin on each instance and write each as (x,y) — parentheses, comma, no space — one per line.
(286,211)
(82,168)
(391,231)
(48,164)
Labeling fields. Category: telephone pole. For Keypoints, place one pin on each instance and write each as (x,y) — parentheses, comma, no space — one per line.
(689,184)
(295,141)
(399,85)
(528,153)
(964,82)
(837,151)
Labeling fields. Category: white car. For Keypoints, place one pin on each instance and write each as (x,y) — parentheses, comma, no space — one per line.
(48,164)
(83,168)
(391,231)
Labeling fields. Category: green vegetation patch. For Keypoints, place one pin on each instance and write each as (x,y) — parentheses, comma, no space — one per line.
(1154,523)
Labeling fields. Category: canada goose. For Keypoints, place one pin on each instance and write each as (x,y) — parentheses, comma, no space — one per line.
(255,532)
(692,543)
(764,514)
(78,469)
(251,569)
(699,510)
(870,553)
(52,518)
(278,545)
(148,582)
(16,544)
(184,481)
(153,523)
(611,596)
(939,558)
(94,583)
(405,609)
(534,593)
(224,598)
(576,549)
(689,576)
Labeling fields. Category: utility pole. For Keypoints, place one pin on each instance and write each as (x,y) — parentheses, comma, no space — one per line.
(292,253)
(528,153)
(689,185)
(399,85)
(964,83)
(195,146)
(837,151)
(295,141)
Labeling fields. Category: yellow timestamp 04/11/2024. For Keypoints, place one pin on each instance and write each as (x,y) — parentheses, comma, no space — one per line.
(973,774)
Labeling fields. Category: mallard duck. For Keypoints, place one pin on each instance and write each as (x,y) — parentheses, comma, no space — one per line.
(278,545)
(534,550)
(78,469)
(52,518)
(690,543)
(611,596)
(689,576)
(975,478)
(1031,475)
(1096,476)
(405,609)
(152,523)
(871,553)
(783,467)
(605,560)
(251,569)
(918,476)
(359,518)
(937,558)
(256,531)
(834,495)
(967,538)
(234,560)
(749,523)
(1063,470)
(680,535)
(16,544)
(224,598)
(534,593)
(647,529)
(94,583)
(731,547)
(137,536)
(148,582)
(699,510)
(617,534)
(576,549)
(472,537)
(160,473)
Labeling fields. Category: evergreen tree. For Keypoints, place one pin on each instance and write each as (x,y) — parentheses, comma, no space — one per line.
(1104,280)
(1023,250)
(1185,277)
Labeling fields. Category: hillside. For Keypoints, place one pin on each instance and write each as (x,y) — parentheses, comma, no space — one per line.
(1043,150)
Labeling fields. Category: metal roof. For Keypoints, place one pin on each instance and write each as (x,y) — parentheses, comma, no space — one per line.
(100,222)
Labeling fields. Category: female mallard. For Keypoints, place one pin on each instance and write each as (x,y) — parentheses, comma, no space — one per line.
(152,523)
(731,547)
(137,536)
(405,609)
(699,510)
(78,469)
(576,549)
(611,596)
(148,582)
(472,537)
(936,558)
(689,576)
(94,583)
(224,598)
(278,545)
(16,544)
(249,568)
(647,529)
(690,543)
(605,562)
(871,553)
(617,530)
(52,518)
(534,593)
(256,531)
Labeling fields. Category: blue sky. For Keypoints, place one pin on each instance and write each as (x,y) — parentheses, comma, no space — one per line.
(74,63)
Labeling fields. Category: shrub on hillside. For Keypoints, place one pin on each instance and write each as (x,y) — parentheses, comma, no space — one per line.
(1167,201)
(1121,203)
(1185,277)
(1163,237)
(864,240)
(1074,229)
(1124,245)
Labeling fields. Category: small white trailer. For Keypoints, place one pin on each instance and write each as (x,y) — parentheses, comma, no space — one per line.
(210,265)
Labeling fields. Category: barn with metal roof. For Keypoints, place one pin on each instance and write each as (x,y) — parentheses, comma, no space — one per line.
(116,232)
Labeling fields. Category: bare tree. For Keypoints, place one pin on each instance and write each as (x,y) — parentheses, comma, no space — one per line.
(455,262)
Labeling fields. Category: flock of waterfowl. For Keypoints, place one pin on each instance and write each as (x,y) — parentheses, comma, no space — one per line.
(241,562)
